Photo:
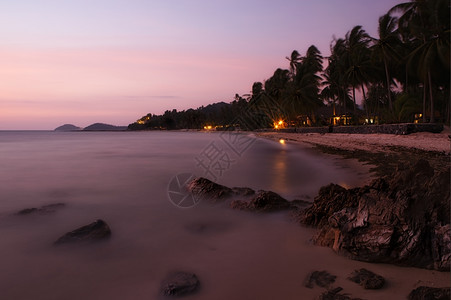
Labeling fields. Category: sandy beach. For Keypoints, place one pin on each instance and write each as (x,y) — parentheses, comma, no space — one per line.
(433,142)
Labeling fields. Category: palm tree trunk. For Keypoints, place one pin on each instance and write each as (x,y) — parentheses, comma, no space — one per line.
(353,97)
(365,104)
(387,77)
(432,120)
(424,102)
(406,88)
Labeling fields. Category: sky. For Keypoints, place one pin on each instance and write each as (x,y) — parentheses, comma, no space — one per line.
(113,61)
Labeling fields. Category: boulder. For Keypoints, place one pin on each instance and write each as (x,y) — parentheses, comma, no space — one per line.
(204,189)
(263,201)
(243,191)
(320,278)
(430,293)
(402,219)
(367,279)
(98,230)
(334,294)
(180,284)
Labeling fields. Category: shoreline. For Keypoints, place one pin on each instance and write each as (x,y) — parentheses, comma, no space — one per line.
(385,152)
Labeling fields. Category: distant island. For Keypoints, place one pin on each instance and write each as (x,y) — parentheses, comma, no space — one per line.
(104,127)
(92,127)
(68,127)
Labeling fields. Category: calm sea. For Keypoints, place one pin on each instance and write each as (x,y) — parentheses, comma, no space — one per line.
(123,178)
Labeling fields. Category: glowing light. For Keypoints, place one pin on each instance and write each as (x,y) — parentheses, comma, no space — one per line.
(208,127)
(282,141)
(279,124)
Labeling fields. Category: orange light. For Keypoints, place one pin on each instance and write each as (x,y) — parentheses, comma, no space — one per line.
(282,141)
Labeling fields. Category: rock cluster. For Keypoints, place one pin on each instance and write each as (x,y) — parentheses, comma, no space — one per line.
(424,292)
(207,190)
(263,201)
(403,219)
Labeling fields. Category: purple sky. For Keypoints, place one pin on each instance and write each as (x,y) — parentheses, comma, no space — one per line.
(112,61)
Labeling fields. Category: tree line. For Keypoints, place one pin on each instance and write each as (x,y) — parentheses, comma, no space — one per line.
(402,72)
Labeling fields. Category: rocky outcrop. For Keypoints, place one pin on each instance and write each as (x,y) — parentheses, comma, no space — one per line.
(98,230)
(180,284)
(430,293)
(402,219)
(46,209)
(367,279)
(263,201)
(205,189)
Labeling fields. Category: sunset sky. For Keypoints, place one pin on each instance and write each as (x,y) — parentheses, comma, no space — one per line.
(112,61)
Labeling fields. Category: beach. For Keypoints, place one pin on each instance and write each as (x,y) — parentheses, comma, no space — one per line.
(426,141)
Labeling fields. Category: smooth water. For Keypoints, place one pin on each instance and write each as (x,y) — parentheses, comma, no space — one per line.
(122,178)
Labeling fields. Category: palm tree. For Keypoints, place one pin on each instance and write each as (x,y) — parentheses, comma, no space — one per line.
(294,59)
(357,58)
(426,23)
(385,48)
(303,93)
(336,71)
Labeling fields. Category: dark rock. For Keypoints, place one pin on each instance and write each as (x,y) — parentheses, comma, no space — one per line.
(243,191)
(367,279)
(204,189)
(320,278)
(263,201)
(180,284)
(95,231)
(333,294)
(430,293)
(50,208)
(402,219)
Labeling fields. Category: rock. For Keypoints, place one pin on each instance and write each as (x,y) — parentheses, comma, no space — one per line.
(402,219)
(367,279)
(243,191)
(98,230)
(180,284)
(205,189)
(430,293)
(333,294)
(320,278)
(50,208)
(263,201)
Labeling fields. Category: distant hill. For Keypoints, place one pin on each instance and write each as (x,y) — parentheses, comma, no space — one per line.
(68,127)
(104,127)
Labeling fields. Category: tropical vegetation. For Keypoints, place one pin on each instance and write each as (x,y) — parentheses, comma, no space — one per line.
(401,75)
